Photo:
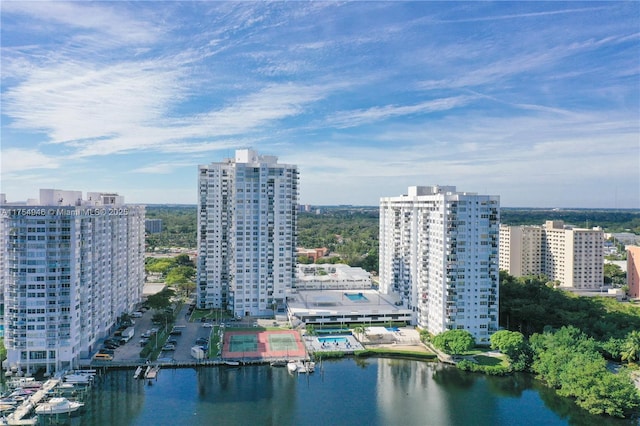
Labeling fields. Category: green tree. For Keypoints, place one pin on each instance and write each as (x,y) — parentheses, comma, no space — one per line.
(454,342)
(568,360)
(512,344)
(162,299)
(613,274)
(630,350)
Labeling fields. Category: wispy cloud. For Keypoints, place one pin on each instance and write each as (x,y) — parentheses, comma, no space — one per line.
(344,119)
(366,98)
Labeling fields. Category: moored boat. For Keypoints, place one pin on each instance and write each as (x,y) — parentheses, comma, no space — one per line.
(58,405)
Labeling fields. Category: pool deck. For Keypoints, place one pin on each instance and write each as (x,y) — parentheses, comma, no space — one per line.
(314,345)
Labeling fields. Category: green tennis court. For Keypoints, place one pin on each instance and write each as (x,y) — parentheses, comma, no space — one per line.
(243,343)
(282,342)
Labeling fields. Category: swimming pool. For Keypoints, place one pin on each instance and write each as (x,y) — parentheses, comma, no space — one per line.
(393,329)
(334,340)
(356,297)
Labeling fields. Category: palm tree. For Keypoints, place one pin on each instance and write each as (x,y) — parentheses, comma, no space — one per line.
(631,347)
(360,330)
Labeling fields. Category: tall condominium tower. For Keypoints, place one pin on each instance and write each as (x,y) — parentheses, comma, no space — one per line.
(439,251)
(574,257)
(71,267)
(521,250)
(633,271)
(246,233)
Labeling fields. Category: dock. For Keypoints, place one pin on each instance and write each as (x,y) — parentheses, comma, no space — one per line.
(18,417)
(152,373)
(137,373)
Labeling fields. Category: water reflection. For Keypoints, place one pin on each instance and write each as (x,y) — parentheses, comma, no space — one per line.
(373,392)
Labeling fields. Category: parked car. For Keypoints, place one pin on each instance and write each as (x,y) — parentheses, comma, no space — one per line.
(111,346)
(202,341)
(175,332)
(106,351)
(207,325)
(143,342)
(136,314)
(169,347)
(172,341)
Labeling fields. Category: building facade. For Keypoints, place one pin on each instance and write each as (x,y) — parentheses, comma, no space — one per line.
(71,267)
(633,271)
(247,224)
(439,252)
(521,250)
(153,226)
(573,257)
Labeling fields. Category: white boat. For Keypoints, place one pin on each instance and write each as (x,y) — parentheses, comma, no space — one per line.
(293,366)
(79,378)
(58,406)
(138,372)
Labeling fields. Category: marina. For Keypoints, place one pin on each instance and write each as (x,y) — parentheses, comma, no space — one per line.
(27,398)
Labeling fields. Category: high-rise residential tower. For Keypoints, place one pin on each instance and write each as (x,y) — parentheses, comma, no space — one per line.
(574,257)
(247,213)
(521,250)
(439,251)
(71,267)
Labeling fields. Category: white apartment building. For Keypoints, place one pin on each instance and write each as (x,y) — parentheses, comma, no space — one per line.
(521,250)
(439,252)
(574,257)
(328,276)
(71,267)
(247,212)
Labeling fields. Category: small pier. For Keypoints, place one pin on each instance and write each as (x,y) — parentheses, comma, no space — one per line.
(18,417)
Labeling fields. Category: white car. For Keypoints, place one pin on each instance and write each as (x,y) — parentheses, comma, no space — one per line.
(136,314)
(207,325)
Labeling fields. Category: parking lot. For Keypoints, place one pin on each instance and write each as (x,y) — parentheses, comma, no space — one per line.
(189,332)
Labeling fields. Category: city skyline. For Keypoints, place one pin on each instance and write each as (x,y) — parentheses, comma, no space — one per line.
(535,102)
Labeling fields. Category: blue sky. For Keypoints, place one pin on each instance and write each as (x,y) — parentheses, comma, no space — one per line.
(536,102)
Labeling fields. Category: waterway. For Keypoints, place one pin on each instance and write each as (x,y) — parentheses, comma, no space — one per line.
(373,392)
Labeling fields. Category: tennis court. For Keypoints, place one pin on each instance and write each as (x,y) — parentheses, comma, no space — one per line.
(267,345)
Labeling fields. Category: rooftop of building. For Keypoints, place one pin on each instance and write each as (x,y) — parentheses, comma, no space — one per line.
(341,302)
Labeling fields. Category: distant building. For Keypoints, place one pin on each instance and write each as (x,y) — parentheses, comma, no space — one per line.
(71,267)
(439,253)
(332,277)
(153,226)
(572,256)
(312,254)
(633,271)
(247,224)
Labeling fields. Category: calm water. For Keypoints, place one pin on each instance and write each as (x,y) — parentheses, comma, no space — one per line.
(373,392)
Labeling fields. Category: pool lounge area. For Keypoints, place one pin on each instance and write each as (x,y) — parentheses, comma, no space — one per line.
(346,344)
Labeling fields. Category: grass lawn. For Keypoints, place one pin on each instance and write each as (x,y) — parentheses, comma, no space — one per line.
(491,361)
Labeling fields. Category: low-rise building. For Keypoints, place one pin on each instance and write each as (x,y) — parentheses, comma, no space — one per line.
(332,277)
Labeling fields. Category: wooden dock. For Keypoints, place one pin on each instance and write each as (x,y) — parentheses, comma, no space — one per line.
(152,373)
(18,417)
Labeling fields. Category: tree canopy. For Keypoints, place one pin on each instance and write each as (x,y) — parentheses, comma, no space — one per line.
(454,342)
(569,361)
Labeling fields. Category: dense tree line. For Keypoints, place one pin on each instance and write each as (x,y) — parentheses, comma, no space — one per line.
(178,272)
(528,304)
(609,220)
(567,341)
(350,235)
(179,227)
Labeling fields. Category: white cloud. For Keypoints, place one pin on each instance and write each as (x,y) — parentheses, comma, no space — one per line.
(20,160)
